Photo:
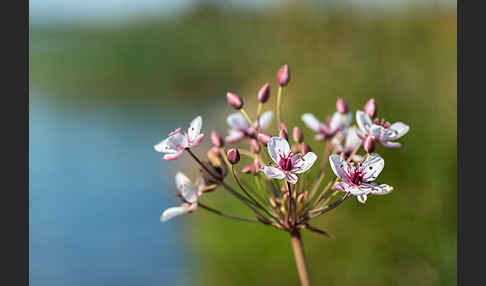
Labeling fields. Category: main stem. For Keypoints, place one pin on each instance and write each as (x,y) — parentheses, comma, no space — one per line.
(300,261)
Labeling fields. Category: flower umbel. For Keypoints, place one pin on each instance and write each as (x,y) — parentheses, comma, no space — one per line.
(289,194)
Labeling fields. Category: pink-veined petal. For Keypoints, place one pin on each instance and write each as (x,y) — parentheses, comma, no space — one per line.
(400,128)
(337,122)
(304,163)
(194,129)
(186,188)
(372,167)
(377,131)
(352,139)
(173,156)
(238,122)
(291,178)
(311,121)
(382,189)
(197,141)
(265,119)
(173,212)
(278,148)
(273,172)
(234,136)
(389,144)
(363,121)
(340,167)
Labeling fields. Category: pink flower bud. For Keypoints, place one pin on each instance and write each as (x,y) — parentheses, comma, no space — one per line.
(306,148)
(369,144)
(301,198)
(234,100)
(370,108)
(297,135)
(342,106)
(283,76)
(216,139)
(214,150)
(263,138)
(264,93)
(283,126)
(387,124)
(254,146)
(233,156)
(246,169)
(283,134)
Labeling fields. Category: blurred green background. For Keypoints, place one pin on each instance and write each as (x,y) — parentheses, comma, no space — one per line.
(170,69)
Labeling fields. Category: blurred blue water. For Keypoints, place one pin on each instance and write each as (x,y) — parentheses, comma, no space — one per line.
(96,193)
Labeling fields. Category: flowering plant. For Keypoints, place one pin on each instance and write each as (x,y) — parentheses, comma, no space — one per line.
(285,196)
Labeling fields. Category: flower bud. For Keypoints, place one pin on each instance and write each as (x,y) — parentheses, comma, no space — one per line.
(370,108)
(283,134)
(234,100)
(246,169)
(302,197)
(216,139)
(306,148)
(254,146)
(369,144)
(263,138)
(264,93)
(342,106)
(233,156)
(283,126)
(283,76)
(272,202)
(297,135)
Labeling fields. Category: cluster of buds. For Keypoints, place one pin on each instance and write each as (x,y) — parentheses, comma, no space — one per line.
(281,193)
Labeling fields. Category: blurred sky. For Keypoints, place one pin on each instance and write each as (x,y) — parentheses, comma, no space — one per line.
(48,12)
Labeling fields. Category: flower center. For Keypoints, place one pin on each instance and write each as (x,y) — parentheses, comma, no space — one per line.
(285,163)
(357,175)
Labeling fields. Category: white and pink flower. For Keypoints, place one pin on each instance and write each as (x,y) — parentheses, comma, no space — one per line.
(359,180)
(381,131)
(174,145)
(241,128)
(188,193)
(351,142)
(287,164)
(338,122)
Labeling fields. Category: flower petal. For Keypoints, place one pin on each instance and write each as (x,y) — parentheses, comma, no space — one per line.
(291,178)
(278,148)
(338,121)
(173,156)
(352,139)
(363,121)
(265,119)
(238,122)
(380,190)
(340,167)
(304,163)
(389,144)
(372,167)
(400,128)
(273,172)
(186,188)
(234,136)
(194,129)
(173,212)
(311,121)
(196,141)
